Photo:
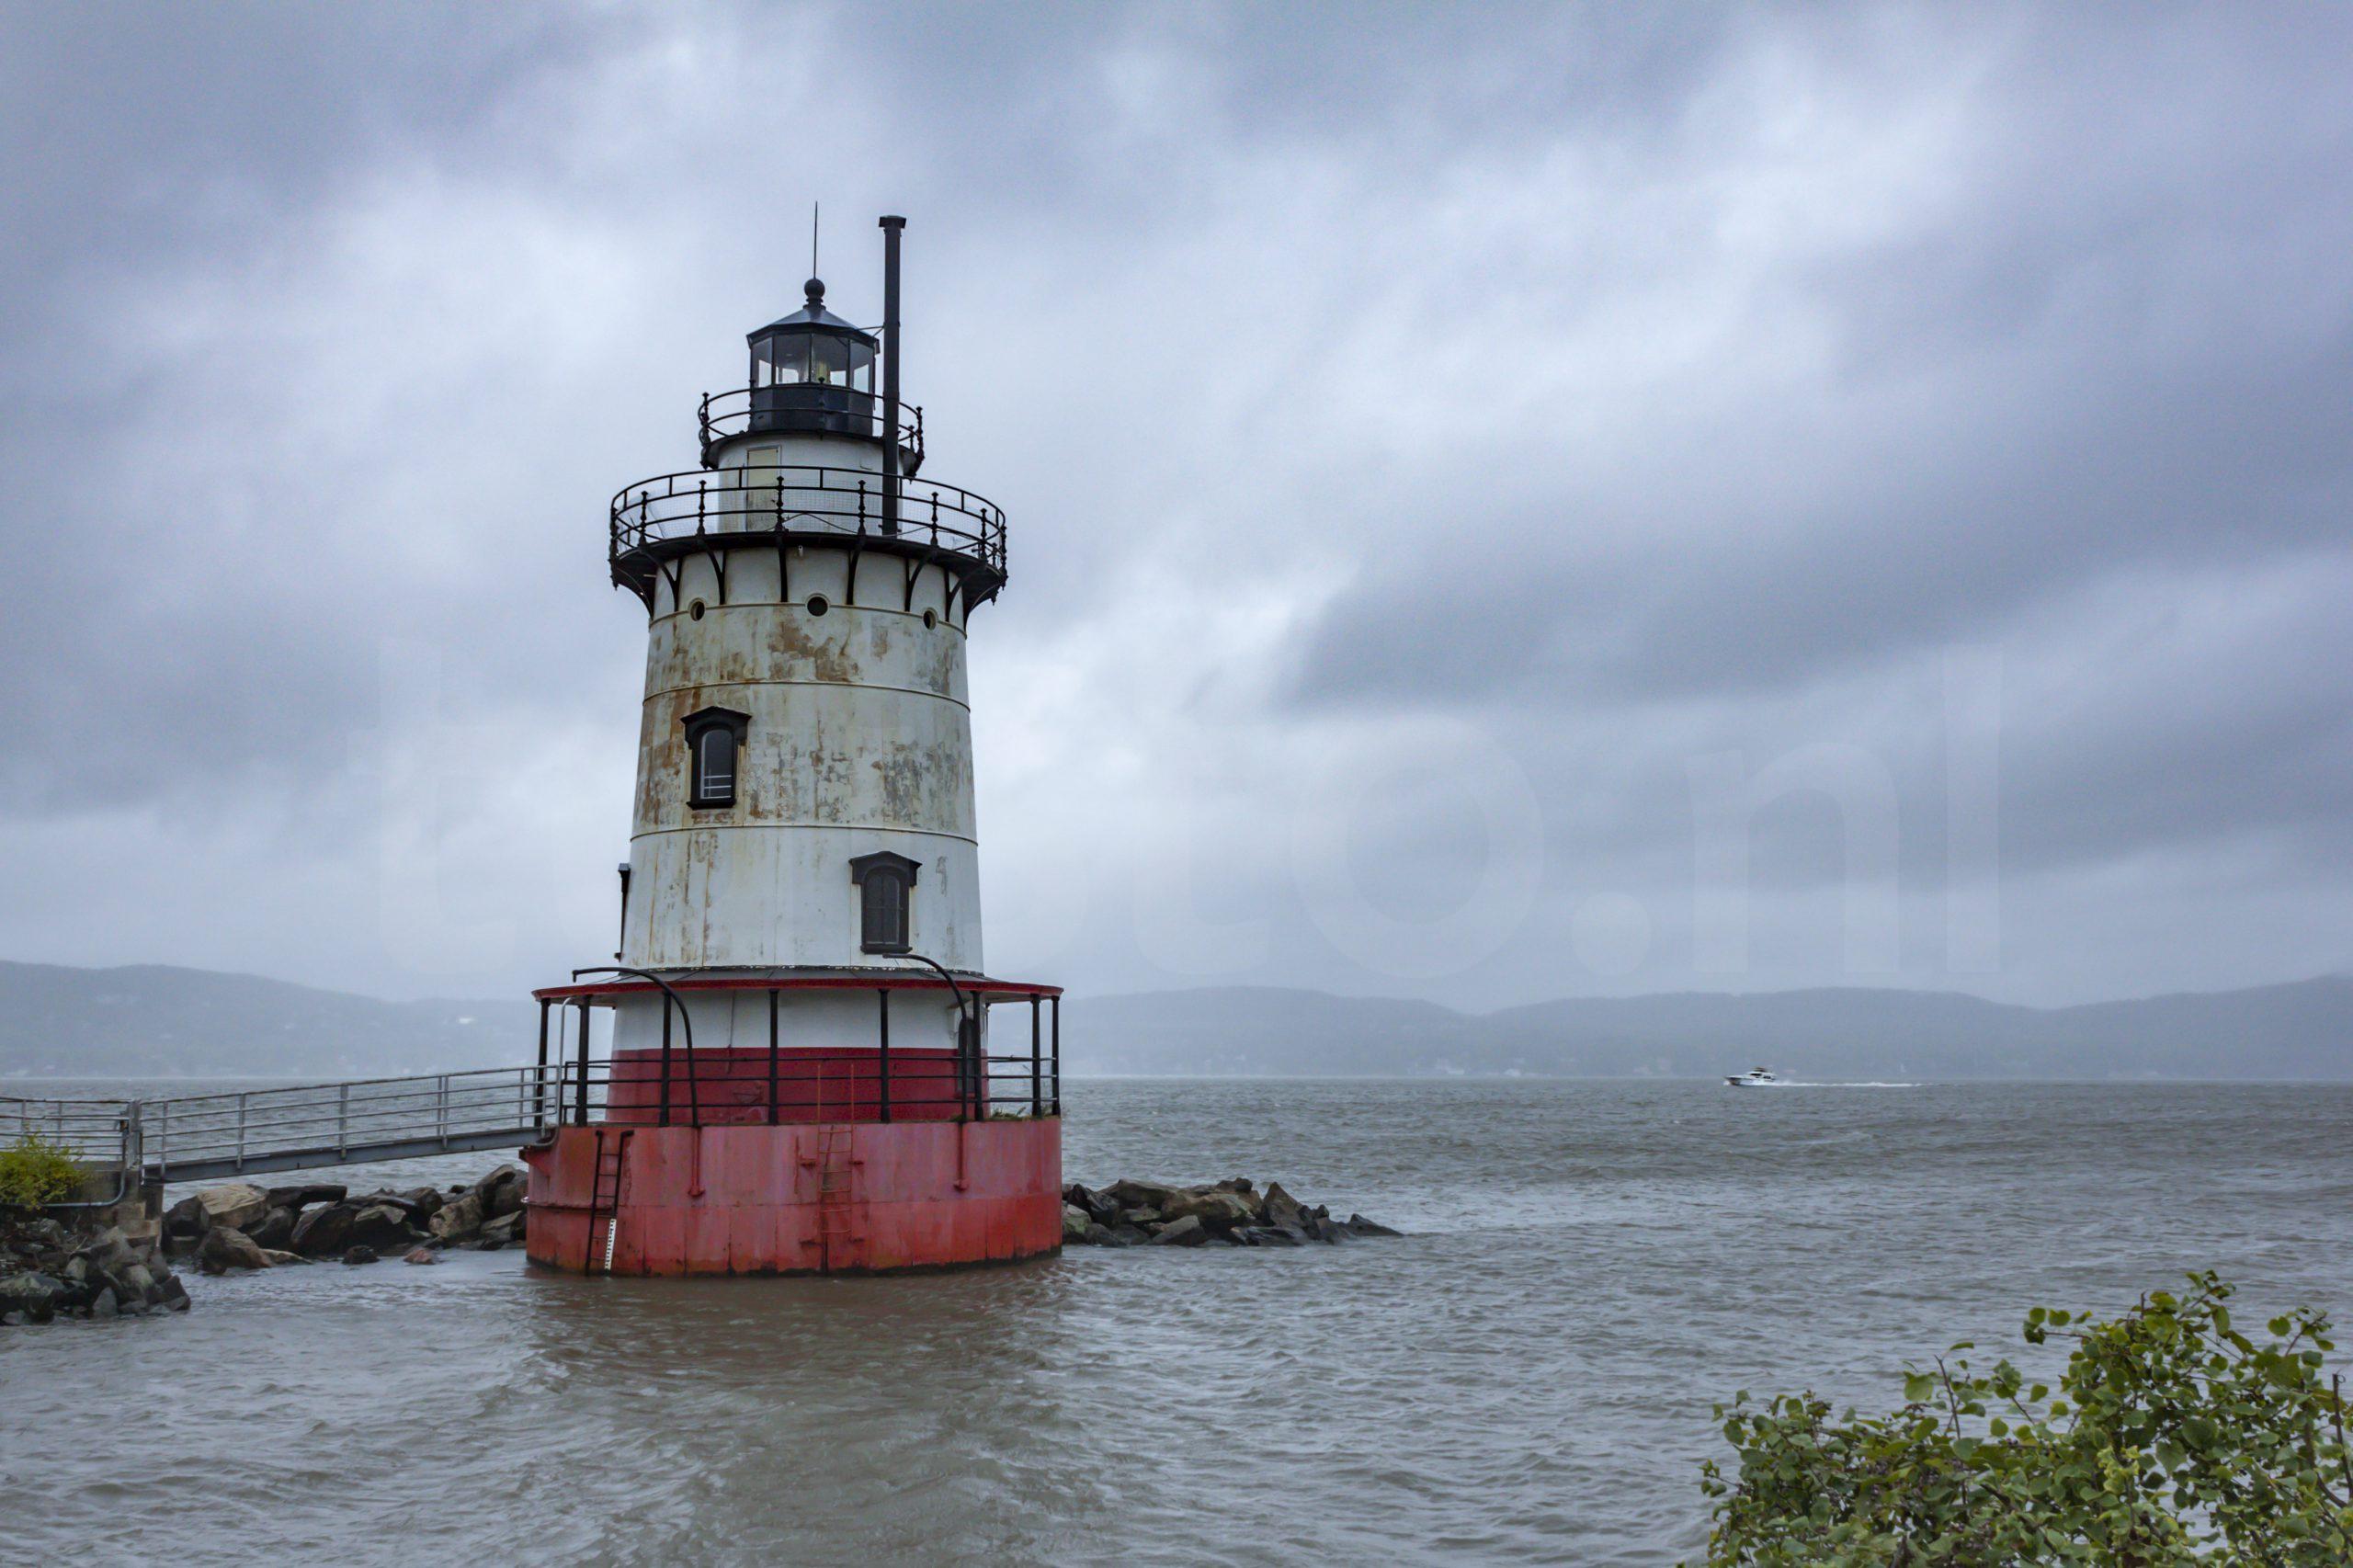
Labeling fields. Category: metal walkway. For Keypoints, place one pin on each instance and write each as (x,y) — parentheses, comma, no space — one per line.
(250,1131)
(303,1127)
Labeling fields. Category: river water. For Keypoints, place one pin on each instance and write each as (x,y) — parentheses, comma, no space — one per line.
(1527,1377)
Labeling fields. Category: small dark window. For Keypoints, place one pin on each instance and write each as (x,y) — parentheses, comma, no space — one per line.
(714,740)
(884,882)
(694,611)
(930,620)
(817,605)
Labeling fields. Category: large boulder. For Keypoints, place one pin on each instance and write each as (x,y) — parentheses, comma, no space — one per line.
(334,1228)
(424,1202)
(224,1248)
(275,1229)
(325,1230)
(238,1205)
(303,1196)
(41,1233)
(383,1226)
(108,1249)
(1187,1232)
(505,1229)
(460,1220)
(1099,1207)
(1075,1223)
(501,1191)
(1216,1208)
(184,1221)
(33,1294)
(1281,1212)
(1151,1195)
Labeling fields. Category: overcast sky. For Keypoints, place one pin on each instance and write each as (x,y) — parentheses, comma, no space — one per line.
(1505,503)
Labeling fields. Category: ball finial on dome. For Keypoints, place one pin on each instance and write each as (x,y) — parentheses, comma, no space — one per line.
(815,290)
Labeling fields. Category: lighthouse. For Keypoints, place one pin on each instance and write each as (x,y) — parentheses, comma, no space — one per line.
(798,1060)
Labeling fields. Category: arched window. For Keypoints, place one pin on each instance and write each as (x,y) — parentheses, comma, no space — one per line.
(885,883)
(714,740)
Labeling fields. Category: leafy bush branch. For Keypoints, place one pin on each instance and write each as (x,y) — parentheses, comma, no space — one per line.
(34,1172)
(2174,1439)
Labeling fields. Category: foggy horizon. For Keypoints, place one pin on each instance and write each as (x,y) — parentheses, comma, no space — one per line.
(1469,1009)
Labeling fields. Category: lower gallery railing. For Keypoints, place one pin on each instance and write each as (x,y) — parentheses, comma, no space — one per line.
(965,1082)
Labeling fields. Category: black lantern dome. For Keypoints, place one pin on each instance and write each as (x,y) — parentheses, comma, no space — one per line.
(813,372)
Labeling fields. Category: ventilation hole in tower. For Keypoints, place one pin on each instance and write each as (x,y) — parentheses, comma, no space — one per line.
(817,605)
(694,611)
(930,620)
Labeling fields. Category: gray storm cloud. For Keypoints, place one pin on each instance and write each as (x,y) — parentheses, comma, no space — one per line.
(1437,443)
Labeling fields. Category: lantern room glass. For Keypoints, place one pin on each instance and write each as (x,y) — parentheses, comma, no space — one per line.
(815,359)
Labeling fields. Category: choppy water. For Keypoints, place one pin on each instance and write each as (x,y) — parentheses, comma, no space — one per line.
(1527,1378)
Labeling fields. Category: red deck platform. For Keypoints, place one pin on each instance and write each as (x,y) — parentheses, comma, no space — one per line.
(736,1160)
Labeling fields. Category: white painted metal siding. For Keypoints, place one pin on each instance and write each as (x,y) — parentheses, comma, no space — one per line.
(859,739)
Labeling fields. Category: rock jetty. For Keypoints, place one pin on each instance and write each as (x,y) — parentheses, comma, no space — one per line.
(1233,1212)
(67,1264)
(240,1225)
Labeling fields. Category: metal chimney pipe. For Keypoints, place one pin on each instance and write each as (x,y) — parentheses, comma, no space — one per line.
(891,227)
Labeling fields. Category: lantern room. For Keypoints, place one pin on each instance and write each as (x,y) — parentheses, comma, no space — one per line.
(813,372)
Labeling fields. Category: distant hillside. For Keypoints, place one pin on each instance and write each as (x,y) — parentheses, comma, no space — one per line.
(150,1021)
(2299,1031)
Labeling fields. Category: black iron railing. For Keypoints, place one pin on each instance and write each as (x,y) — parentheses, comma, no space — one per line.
(304,1126)
(751,505)
(806,408)
(672,1083)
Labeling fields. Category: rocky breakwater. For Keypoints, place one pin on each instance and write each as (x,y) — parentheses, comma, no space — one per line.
(240,1225)
(1227,1213)
(70,1264)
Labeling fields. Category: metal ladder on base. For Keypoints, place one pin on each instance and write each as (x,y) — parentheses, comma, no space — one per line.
(604,1200)
(835,1162)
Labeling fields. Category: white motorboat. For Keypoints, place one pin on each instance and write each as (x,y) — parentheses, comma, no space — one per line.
(1755,1078)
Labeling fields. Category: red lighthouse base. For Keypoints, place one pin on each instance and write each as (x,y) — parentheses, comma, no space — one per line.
(815,1197)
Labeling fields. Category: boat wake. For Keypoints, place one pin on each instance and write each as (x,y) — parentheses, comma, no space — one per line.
(1802,1083)
(1765,1078)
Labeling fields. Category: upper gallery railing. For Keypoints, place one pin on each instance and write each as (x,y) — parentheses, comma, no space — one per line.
(799,498)
(806,408)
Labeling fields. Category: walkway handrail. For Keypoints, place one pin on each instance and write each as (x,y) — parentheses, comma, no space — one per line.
(91,1131)
(248,1130)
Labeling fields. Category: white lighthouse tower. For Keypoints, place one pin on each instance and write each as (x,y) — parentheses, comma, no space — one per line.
(801,990)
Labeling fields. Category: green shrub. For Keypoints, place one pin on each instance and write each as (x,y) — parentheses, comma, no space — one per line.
(34,1172)
(2173,1440)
